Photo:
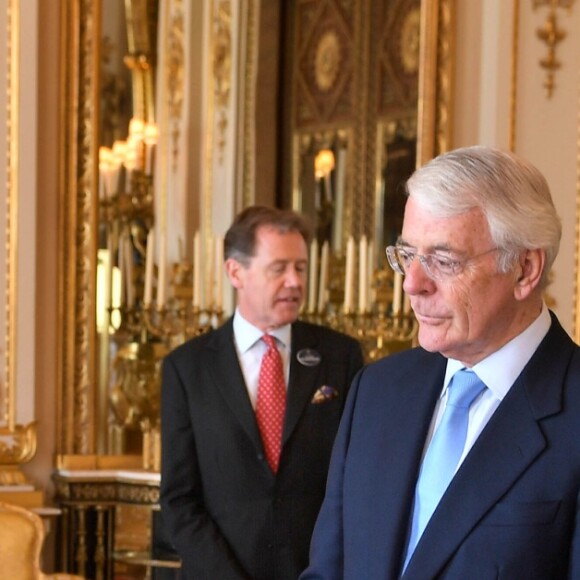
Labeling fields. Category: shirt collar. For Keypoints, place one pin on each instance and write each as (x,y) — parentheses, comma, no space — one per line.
(246,334)
(500,369)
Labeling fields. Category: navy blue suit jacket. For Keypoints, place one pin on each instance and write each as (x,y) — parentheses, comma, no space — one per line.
(512,510)
(227,514)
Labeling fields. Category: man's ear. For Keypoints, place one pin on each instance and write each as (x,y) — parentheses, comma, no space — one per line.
(234,272)
(529,272)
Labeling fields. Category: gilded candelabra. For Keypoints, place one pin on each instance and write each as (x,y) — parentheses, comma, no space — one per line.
(135,331)
(144,335)
(383,323)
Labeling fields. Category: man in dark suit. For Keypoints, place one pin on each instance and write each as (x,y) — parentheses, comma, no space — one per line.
(234,506)
(479,237)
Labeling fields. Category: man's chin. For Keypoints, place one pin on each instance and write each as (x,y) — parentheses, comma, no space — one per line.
(287,313)
(430,340)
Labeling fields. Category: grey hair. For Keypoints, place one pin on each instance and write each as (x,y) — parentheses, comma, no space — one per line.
(512,193)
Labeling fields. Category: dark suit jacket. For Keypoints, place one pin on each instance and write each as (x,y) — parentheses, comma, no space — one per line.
(511,512)
(226,513)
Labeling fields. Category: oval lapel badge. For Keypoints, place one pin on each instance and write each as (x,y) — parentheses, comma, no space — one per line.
(308,357)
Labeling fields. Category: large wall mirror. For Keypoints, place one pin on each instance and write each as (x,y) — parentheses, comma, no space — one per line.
(369,87)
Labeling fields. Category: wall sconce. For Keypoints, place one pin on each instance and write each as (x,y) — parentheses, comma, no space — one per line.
(552,35)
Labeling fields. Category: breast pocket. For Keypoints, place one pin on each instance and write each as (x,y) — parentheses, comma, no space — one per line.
(522,514)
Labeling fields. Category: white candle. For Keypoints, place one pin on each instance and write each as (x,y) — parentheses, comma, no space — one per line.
(313,275)
(150,134)
(339,200)
(323,277)
(149,258)
(121,267)
(219,260)
(109,272)
(397,292)
(162,271)
(136,136)
(349,275)
(119,152)
(105,158)
(210,264)
(196,270)
(129,287)
(362,275)
(371,271)
(116,292)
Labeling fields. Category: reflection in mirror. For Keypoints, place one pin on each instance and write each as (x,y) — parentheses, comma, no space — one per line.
(354,98)
(322,184)
(398,152)
(128,361)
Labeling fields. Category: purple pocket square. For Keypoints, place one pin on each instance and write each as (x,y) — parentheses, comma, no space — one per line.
(324,394)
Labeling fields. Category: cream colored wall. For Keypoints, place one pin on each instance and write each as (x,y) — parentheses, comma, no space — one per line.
(546,129)
(44,106)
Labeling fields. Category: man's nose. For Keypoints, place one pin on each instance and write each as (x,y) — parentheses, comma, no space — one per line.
(416,279)
(294,277)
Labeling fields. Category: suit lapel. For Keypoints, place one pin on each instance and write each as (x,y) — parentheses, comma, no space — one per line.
(303,379)
(229,380)
(510,442)
(507,446)
(397,465)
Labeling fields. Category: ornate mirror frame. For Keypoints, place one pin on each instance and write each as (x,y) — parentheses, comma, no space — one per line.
(18,424)
(79,404)
(78,225)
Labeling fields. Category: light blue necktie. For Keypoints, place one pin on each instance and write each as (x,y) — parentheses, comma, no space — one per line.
(442,457)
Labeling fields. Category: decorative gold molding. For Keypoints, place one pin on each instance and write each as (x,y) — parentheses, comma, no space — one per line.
(11,232)
(514,75)
(17,442)
(327,61)
(436,78)
(207,194)
(551,34)
(80,50)
(249,122)
(23,445)
(445,76)
(175,76)
(222,70)
(113,487)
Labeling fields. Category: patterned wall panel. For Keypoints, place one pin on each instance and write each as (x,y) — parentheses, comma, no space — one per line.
(323,63)
(352,66)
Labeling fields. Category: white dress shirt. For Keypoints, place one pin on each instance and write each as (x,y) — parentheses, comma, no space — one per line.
(499,372)
(250,349)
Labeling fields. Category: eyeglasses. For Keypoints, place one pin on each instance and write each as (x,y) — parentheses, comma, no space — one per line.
(437,266)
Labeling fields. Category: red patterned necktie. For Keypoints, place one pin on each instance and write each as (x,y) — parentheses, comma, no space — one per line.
(271,403)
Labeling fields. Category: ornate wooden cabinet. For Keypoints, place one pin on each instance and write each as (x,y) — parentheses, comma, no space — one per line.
(111,525)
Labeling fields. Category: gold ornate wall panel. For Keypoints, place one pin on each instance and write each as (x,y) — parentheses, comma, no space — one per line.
(80,52)
(10,216)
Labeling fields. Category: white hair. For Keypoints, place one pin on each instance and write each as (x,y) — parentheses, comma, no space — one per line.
(512,193)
